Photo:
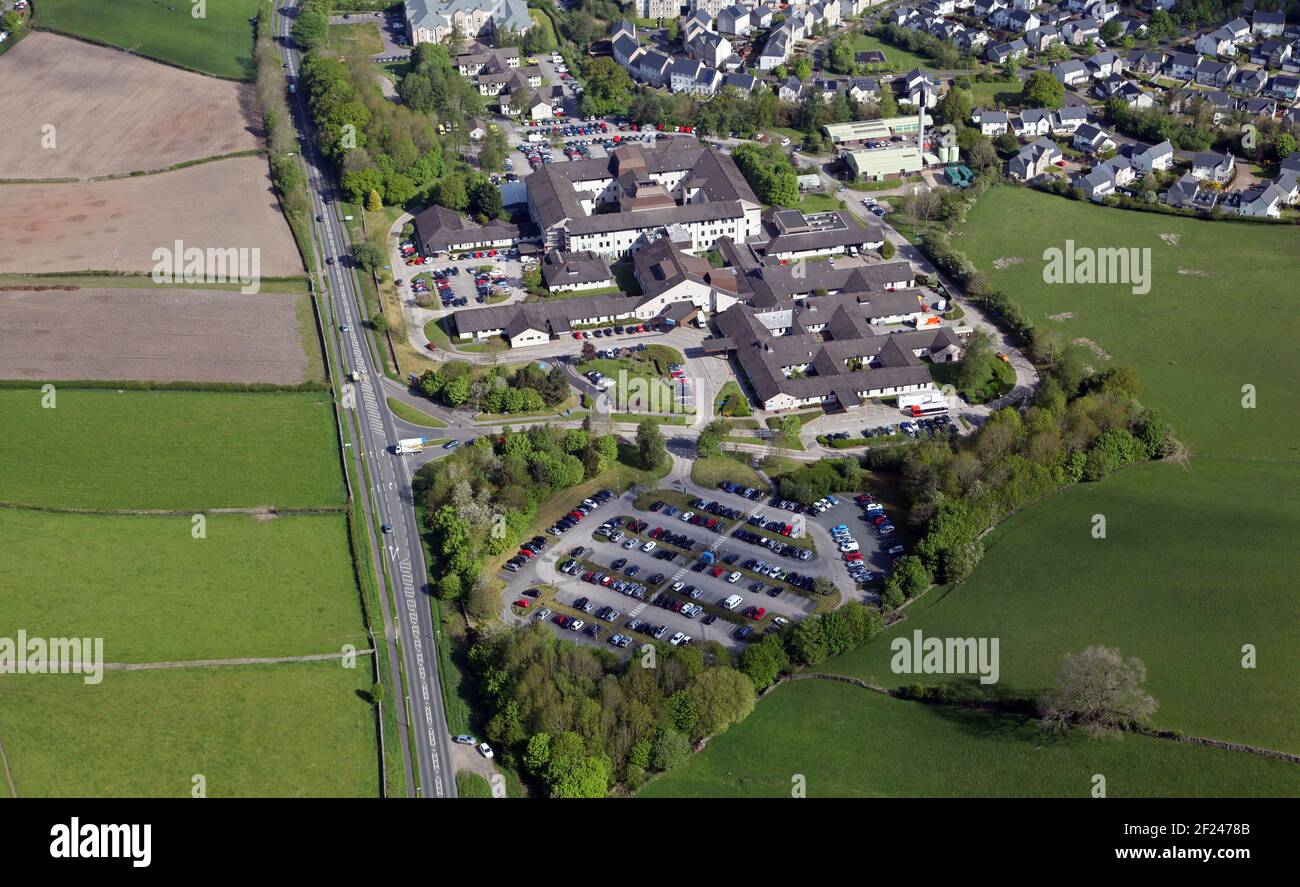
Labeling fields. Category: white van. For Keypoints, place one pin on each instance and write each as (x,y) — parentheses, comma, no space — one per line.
(731,603)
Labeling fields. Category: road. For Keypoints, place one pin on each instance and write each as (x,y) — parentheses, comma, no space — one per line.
(389,474)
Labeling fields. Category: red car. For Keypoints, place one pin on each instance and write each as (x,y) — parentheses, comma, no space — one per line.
(523,602)
(577,335)
(879,519)
(525,553)
(760,612)
(717,571)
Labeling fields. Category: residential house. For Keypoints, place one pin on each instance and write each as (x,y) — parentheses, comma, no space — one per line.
(1261,201)
(1214,167)
(1182,65)
(734,20)
(1032,123)
(1020,21)
(991,123)
(1183,193)
(1000,53)
(1034,159)
(1249,81)
(1211,72)
(1080,31)
(433,21)
(1071,72)
(1150,158)
(1218,42)
(1093,140)
(1146,61)
(1105,64)
(1040,39)
(1284,87)
(1067,120)
(1267,24)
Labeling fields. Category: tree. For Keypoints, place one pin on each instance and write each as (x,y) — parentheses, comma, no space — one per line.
(607,88)
(651,448)
(1098,690)
(956,106)
(803,68)
(976,364)
(374,203)
(310,28)
(368,255)
(888,250)
(670,749)
(377,693)
(764,661)
(1283,146)
(981,155)
(484,200)
(722,696)
(450,192)
(787,432)
(1043,90)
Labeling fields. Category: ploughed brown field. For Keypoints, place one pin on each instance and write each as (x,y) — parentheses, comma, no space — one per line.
(153,334)
(112,112)
(116,224)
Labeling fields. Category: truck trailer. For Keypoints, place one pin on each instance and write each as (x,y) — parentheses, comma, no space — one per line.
(409,446)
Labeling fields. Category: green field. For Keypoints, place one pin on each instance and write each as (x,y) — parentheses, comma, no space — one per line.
(850,742)
(898,58)
(1161,586)
(1195,337)
(1198,559)
(987,95)
(297,729)
(403,410)
(360,40)
(251,588)
(713,470)
(104,450)
(220,43)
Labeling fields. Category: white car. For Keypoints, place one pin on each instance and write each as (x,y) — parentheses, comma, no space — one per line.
(678,586)
(686,515)
(678,639)
(576,625)
(733,578)
(780,621)
(485,750)
(649,546)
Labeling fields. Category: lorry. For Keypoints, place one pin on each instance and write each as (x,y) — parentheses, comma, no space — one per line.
(409,446)
(708,557)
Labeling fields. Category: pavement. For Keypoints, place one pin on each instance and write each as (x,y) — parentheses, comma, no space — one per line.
(544,569)
(411,633)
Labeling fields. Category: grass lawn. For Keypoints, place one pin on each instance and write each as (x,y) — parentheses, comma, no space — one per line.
(471,785)
(403,410)
(293,730)
(625,278)
(820,203)
(102,449)
(355,41)
(987,95)
(220,43)
(642,378)
(851,742)
(1000,380)
(898,58)
(731,401)
(1166,584)
(1193,355)
(710,471)
(252,588)
(1157,587)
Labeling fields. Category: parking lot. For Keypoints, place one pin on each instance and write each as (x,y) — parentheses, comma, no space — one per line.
(459,287)
(618,559)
